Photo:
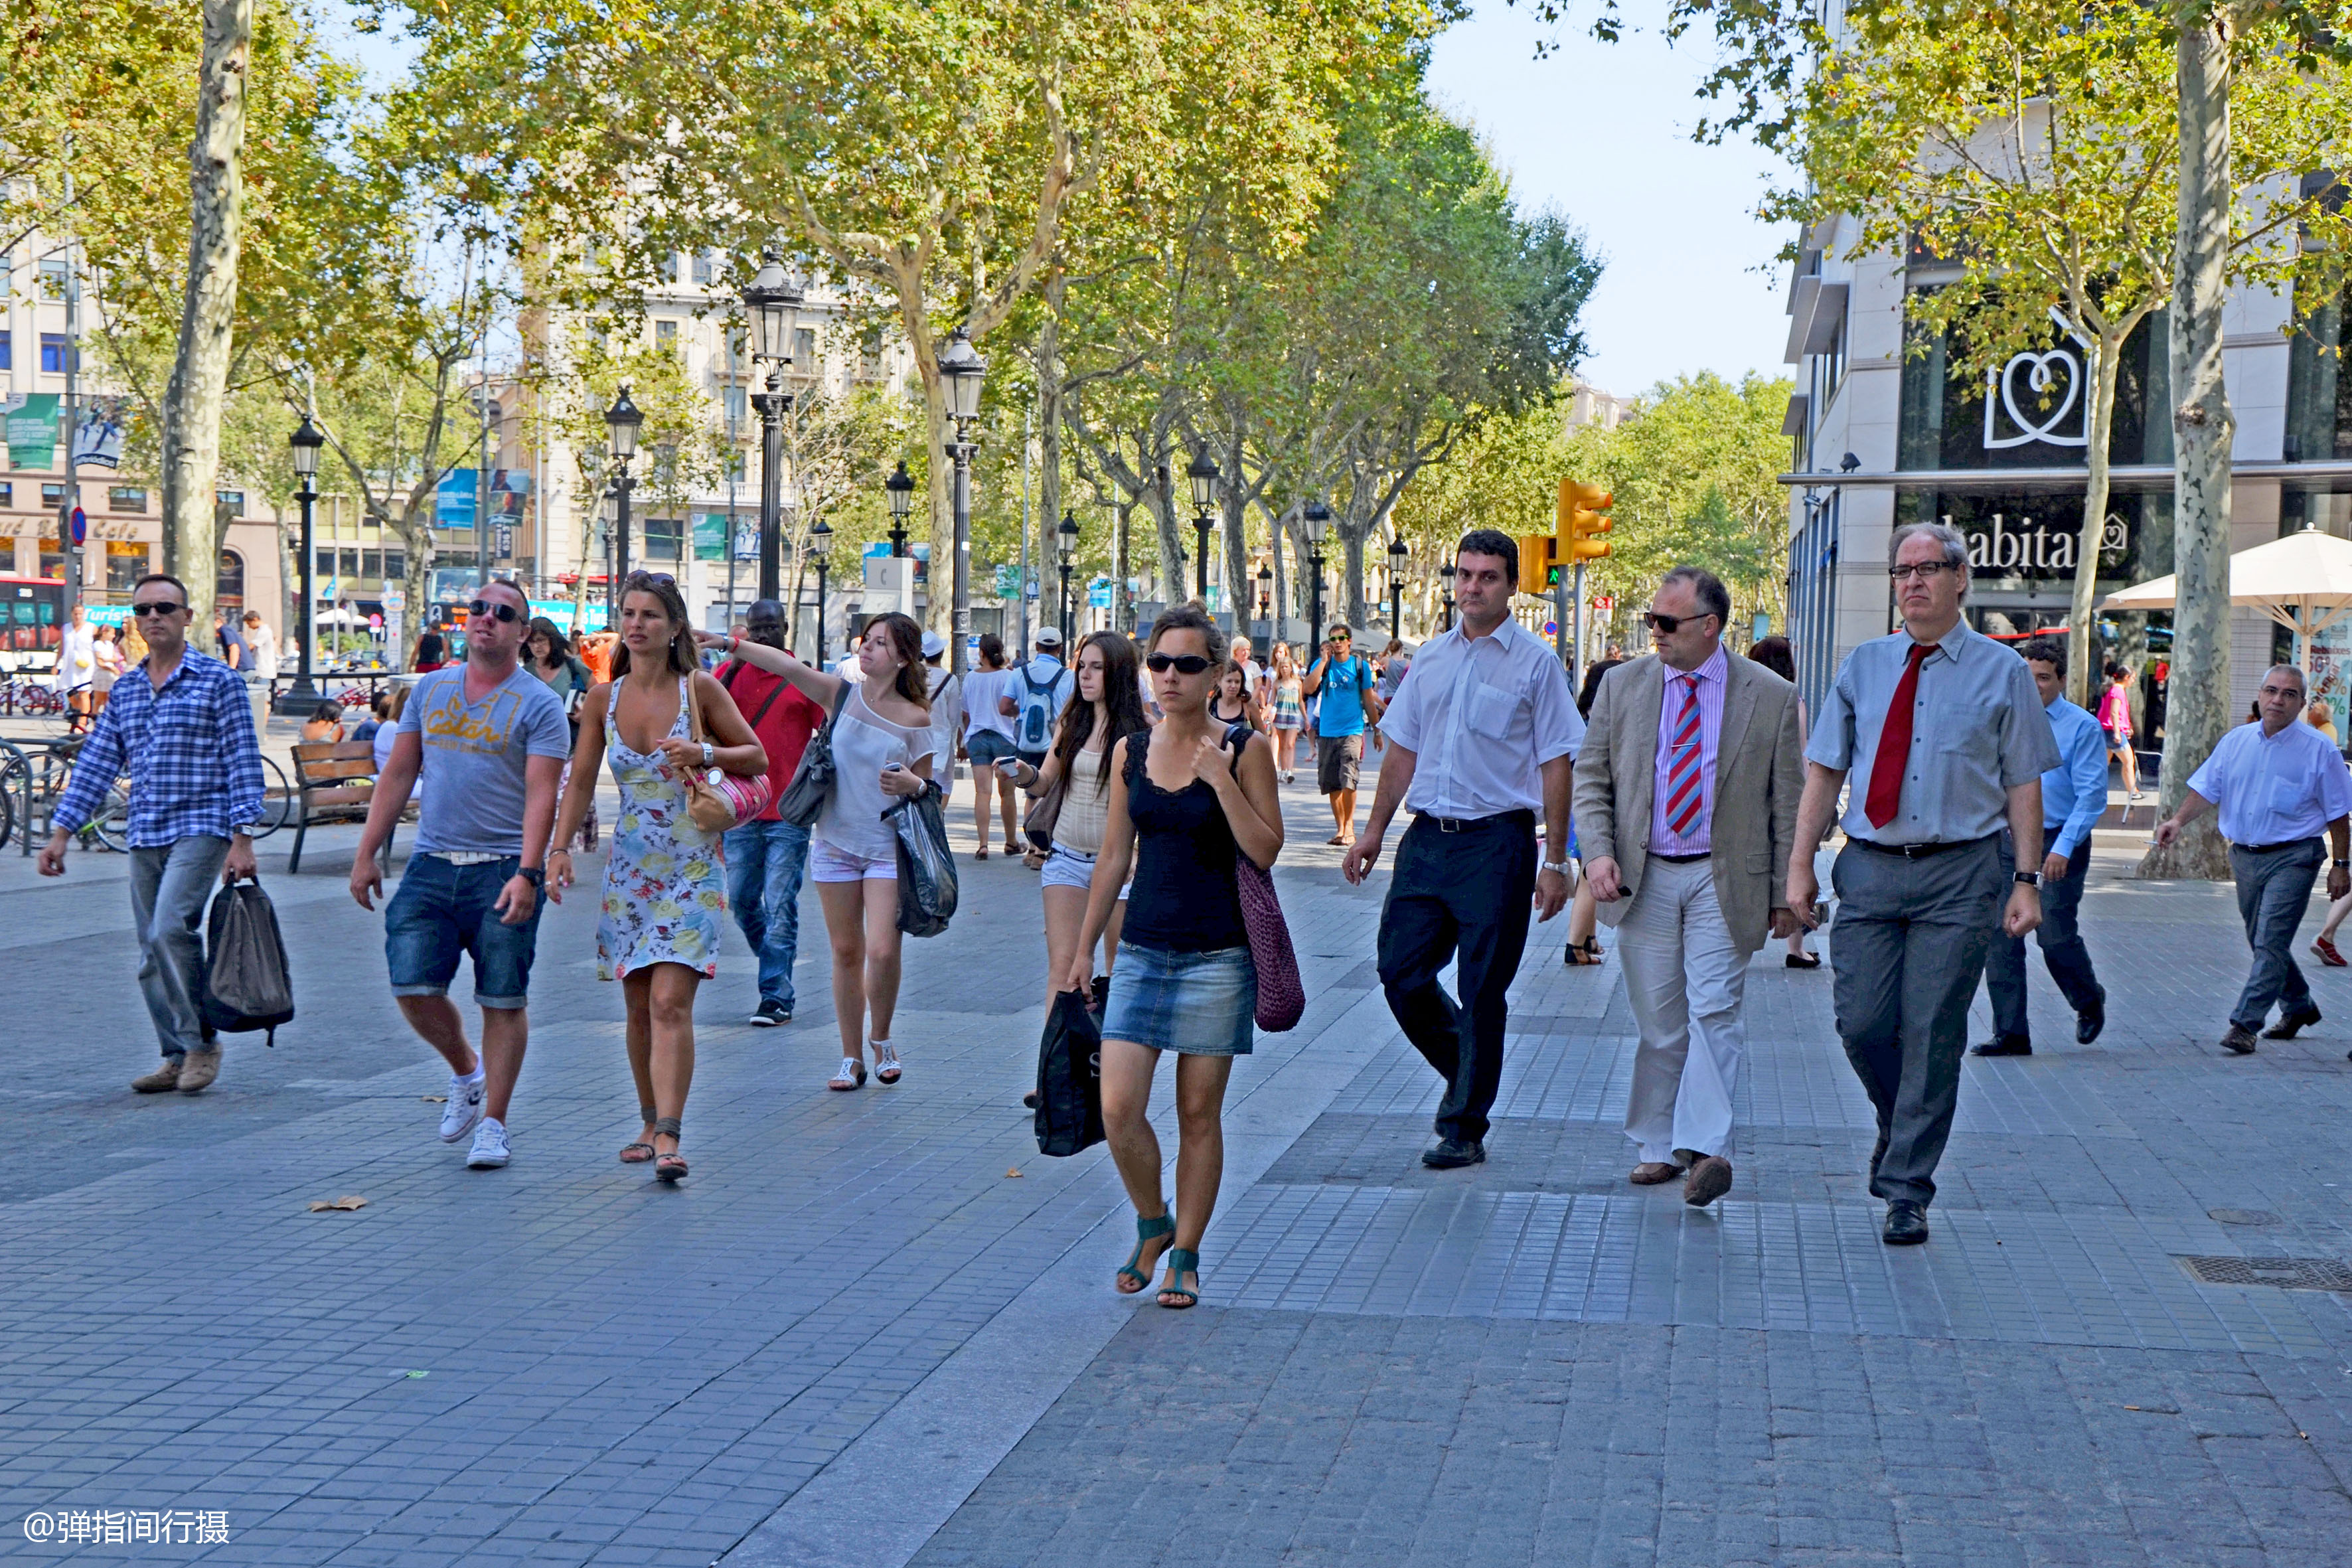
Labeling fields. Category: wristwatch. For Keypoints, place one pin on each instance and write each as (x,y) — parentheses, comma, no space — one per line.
(706,753)
(2030,879)
(536,876)
(1558,865)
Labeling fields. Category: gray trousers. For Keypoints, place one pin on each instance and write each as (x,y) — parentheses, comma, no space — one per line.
(169,886)
(1908,947)
(2273,892)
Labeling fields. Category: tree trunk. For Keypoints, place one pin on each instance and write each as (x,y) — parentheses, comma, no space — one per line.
(1239,589)
(2198,710)
(1276,526)
(417,538)
(1353,543)
(2082,678)
(193,404)
(1047,559)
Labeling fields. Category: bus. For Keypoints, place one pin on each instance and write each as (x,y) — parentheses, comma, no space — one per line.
(32,621)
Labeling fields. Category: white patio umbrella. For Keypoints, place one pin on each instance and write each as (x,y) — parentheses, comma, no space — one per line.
(2303,582)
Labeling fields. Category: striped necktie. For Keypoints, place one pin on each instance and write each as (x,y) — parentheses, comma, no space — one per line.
(1686,795)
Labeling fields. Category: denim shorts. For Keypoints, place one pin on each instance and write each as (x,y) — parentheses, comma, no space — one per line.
(1194,1004)
(443,913)
(985,746)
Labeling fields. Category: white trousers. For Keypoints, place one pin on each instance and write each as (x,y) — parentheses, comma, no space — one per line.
(1685,980)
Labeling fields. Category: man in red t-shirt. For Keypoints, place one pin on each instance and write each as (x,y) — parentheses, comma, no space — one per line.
(765,858)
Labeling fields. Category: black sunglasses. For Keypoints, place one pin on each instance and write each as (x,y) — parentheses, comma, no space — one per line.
(1670,624)
(1181,662)
(497,609)
(143,611)
(634,578)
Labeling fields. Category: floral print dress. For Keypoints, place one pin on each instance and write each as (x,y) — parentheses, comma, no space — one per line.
(664,885)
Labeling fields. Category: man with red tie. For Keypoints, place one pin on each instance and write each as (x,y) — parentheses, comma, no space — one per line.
(1686,795)
(1947,733)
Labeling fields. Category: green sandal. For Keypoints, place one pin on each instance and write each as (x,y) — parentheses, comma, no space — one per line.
(1145,1230)
(1180,1263)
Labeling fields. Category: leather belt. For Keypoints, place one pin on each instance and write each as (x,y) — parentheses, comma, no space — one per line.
(1921,851)
(1683,859)
(2274,848)
(1474,824)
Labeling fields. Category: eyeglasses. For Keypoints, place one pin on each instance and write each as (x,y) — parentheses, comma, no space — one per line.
(1924,571)
(495,609)
(1670,624)
(1181,662)
(143,611)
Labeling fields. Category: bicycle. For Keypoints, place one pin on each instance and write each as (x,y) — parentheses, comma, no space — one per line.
(110,825)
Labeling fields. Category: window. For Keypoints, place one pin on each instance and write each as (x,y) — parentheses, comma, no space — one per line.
(371,564)
(229,591)
(666,335)
(125,498)
(53,495)
(125,564)
(732,395)
(7,493)
(804,350)
(395,565)
(56,352)
(231,502)
(665,538)
(705,267)
(7,352)
(53,278)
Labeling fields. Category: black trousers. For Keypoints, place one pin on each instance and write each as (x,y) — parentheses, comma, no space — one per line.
(1463,896)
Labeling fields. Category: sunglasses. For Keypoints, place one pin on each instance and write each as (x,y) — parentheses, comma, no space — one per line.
(495,609)
(634,578)
(143,611)
(1181,662)
(1669,623)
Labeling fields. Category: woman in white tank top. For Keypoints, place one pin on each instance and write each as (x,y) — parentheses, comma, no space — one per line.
(882,749)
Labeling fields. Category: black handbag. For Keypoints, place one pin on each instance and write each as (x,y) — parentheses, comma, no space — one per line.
(1070,1078)
(927,871)
(803,799)
(246,983)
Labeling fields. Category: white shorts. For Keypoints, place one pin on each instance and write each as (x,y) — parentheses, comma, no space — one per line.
(1067,868)
(827,864)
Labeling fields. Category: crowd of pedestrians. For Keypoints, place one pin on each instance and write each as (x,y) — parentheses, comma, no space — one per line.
(1689,785)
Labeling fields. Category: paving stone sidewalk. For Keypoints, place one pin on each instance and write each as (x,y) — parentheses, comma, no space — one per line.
(855,1336)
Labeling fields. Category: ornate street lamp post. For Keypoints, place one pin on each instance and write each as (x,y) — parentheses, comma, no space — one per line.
(1066,536)
(820,543)
(1445,577)
(623,420)
(772,302)
(962,368)
(302,697)
(1318,522)
(1203,474)
(1266,596)
(900,486)
(1397,555)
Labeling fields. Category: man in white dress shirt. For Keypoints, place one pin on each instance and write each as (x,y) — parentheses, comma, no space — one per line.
(2277,785)
(1482,737)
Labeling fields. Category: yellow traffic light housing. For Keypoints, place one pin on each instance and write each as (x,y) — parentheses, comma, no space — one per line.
(1582,520)
(1538,561)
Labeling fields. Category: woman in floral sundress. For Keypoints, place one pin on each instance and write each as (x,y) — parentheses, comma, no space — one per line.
(665,884)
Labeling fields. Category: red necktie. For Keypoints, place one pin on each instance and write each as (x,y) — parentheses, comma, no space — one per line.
(1894,744)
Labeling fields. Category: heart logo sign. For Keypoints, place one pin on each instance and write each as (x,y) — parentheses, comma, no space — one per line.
(2038,374)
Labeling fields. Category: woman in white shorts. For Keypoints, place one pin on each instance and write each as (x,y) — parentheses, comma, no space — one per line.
(1108,710)
(883,747)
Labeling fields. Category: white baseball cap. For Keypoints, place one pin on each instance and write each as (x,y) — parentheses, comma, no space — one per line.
(1048,637)
(934,645)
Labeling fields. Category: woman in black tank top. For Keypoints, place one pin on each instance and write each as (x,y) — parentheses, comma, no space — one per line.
(1183,804)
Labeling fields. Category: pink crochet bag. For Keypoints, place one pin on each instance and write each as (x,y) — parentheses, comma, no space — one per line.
(1281,994)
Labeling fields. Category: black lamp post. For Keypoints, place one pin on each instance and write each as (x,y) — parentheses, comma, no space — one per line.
(1445,577)
(962,368)
(1397,554)
(1203,474)
(772,302)
(820,545)
(623,420)
(302,696)
(1066,536)
(1318,522)
(901,488)
(1266,596)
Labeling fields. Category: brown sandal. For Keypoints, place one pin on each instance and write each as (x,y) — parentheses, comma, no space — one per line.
(668,1167)
(981,853)
(630,1154)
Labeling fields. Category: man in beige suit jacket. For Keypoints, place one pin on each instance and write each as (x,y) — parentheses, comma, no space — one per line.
(1685,803)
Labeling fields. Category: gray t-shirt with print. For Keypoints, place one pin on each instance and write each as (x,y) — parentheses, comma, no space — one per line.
(476,754)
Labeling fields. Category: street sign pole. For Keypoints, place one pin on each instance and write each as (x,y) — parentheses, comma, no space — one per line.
(1576,662)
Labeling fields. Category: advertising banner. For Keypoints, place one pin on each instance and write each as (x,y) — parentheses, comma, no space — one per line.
(30,420)
(98,434)
(710,536)
(453,501)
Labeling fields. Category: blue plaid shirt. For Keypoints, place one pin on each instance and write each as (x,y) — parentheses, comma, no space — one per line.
(194,764)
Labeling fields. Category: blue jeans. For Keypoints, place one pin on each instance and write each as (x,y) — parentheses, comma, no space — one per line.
(765,861)
(170,885)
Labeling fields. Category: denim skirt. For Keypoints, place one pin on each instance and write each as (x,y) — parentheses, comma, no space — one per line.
(1194,1004)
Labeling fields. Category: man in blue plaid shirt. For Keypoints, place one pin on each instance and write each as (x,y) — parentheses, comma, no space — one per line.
(181,727)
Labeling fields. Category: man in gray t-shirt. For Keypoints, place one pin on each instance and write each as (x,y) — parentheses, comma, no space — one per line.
(496,740)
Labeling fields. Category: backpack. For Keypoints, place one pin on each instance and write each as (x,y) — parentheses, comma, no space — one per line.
(1033,727)
(247,985)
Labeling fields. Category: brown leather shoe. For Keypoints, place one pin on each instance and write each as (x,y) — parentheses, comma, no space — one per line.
(1708,1180)
(1653,1172)
(163,1080)
(198,1070)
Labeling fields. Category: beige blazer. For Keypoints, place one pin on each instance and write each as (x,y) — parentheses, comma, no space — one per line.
(1759,773)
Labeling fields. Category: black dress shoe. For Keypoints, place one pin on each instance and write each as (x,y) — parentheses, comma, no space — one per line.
(2003,1045)
(2285,1027)
(1802,961)
(2239,1041)
(2088,1024)
(1906,1223)
(1449,1154)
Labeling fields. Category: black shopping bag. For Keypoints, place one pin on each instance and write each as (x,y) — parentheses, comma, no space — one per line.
(246,983)
(927,870)
(1070,1078)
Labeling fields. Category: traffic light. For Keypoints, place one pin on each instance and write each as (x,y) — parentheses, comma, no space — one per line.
(1582,521)
(1538,561)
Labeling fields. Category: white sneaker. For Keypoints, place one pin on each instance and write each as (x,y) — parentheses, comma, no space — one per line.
(464,1108)
(491,1150)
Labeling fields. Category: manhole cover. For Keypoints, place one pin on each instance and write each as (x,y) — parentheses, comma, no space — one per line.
(2283,1273)
(2243,1216)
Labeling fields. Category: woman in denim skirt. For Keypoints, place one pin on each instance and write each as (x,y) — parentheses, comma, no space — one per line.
(1183,806)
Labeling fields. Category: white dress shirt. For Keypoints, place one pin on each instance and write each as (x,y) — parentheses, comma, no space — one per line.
(2274,789)
(1481,718)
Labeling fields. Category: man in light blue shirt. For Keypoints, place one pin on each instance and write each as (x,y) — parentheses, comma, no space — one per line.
(2277,784)
(2074,793)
